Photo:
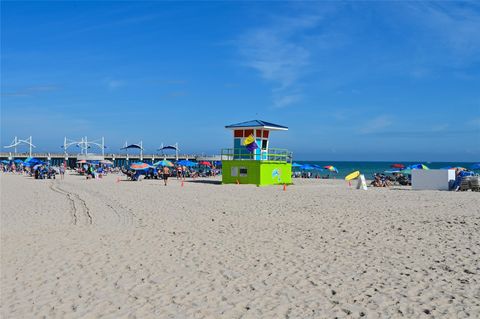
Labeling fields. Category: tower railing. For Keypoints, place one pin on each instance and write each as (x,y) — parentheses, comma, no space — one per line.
(272,154)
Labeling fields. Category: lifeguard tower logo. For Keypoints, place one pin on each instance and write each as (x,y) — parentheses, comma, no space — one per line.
(277,173)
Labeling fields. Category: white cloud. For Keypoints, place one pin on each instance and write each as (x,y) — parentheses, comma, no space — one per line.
(277,53)
(453,25)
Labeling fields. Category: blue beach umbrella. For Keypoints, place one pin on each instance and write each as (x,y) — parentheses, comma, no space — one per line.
(306,167)
(296,165)
(187,163)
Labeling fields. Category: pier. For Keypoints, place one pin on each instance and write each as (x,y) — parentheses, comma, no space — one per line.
(118,160)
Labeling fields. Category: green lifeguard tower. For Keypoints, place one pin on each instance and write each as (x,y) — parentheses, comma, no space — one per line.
(251,160)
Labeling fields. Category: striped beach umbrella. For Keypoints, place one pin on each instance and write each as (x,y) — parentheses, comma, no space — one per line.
(331,168)
(163,163)
(139,166)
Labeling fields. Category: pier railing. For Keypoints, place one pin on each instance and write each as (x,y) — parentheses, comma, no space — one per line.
(272,154)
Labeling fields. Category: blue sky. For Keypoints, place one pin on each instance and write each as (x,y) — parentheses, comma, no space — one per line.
(352,80)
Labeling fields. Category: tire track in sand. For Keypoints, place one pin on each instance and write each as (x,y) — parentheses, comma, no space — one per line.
(78,205)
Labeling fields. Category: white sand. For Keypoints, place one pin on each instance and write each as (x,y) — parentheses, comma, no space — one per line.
(84,249)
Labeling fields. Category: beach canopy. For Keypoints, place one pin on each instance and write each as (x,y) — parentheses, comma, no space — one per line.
(135,146)
(475,166)
(187,163)
(163,163)
(168,147)
(205,163)
(139,166)
(397,165)
(331,168)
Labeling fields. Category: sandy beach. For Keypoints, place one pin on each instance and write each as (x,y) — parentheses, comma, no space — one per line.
(77,248)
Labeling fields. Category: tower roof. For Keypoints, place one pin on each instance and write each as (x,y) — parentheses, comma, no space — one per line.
(257,124)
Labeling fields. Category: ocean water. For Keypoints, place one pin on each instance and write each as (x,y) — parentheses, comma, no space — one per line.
(369,168)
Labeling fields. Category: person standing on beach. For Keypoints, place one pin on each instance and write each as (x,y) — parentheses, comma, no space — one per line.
(166,173)
(62,171)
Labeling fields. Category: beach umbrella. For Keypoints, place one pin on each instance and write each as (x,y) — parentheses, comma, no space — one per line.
(331,168)
(475,166)
(18,161)
(397,166)
(106,162)
(205,163)
(163,163)
(5,162)
(32,160)
(187,163)
(393,171)
(139,166)
(417,166)
(81,162)
(306,167)
(296,165)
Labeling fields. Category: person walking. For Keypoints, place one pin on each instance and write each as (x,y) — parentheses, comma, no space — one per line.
(166,173)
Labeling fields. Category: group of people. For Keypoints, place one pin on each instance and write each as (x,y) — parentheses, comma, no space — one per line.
(38,171)
(309,174)
(382,180)
(165,172)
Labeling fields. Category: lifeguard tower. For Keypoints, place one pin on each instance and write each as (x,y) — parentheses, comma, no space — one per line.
(251,160)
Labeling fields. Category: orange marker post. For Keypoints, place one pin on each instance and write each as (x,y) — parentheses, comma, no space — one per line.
(284,187)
